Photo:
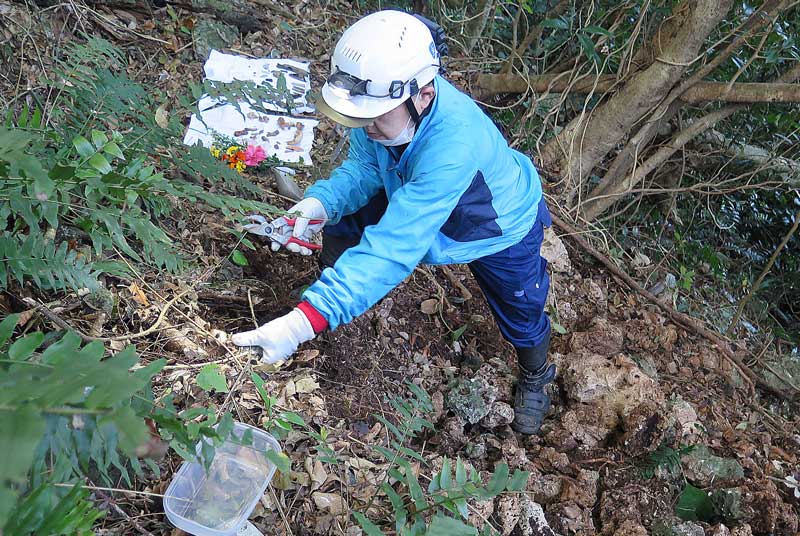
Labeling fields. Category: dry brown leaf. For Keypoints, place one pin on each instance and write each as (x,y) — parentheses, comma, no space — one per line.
(306,385)
(361,463)
(138,295)
(24,316)
(330,502)
(162,119)
(290,389)
(306,355)
(430,306)
(318,474)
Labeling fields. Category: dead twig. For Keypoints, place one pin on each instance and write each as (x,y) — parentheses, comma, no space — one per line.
(448,273)
(53,317)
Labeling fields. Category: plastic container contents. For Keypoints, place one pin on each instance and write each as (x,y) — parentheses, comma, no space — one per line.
(219,501)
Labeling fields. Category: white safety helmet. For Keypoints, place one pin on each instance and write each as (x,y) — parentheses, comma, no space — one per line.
(379,62)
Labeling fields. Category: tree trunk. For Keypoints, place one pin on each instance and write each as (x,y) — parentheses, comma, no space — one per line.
(588,138)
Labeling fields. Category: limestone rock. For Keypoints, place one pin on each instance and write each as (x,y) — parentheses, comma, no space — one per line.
(602,337)
(500,414)
(630,528)
(531,520)
(471,399)
(583,490)
(645,428)
(615,382)
(508,511)
(703,468)
(554,252)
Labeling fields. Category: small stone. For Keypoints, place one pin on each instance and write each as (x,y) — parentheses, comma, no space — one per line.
(475,450)
(630,527)
(480,512)
(471,399)
(742,530)
(500,414)
(554,252)
(729,504)
(584,491)
(100,299)
(704,469)
(720,530)
(674,527)
(508,511)
(531,520)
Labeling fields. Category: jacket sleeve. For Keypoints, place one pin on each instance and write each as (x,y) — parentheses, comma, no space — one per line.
(390,250)
(352,184)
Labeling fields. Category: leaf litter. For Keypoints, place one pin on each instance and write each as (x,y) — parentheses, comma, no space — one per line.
(629,381)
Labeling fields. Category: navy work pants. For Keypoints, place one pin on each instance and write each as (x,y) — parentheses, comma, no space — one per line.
(514,280)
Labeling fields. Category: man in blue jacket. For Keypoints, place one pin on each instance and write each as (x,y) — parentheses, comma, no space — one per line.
(429,178)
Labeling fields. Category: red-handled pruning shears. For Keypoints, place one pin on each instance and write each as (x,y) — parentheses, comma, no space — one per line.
(281,232)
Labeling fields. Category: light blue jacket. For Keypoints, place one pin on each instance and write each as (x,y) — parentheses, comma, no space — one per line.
(457,193)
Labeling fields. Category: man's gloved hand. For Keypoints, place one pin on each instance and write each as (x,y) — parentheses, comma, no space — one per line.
(307,209)
(279,338)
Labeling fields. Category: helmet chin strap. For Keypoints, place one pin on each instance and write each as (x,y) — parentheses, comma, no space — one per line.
(412,111)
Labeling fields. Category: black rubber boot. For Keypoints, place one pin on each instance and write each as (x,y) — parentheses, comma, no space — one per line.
(531,403)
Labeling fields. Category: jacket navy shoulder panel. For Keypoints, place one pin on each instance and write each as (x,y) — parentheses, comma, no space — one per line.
(457,193)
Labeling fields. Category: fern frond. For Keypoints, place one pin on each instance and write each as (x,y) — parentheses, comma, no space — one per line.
(33,257)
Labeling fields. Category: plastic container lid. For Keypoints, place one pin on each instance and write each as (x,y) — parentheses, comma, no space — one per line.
(218,502)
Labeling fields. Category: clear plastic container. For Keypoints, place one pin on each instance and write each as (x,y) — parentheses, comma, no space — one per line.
(218,502)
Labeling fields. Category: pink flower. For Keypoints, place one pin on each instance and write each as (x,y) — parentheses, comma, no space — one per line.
(254,155)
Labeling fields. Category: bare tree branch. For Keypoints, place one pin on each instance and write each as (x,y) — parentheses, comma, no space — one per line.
(492,84)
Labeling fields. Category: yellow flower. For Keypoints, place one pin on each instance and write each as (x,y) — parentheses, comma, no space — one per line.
(232,150)
(214,151)
(240,166)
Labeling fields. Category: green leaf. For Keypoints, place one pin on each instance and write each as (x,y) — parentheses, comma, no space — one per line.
(84,148)
(499,479)
(588,48)
(413,485)
(112,149)
(281,460)
(259,382)
(459,332)
(442,525)
(7,326)
(400,512)
(211,378)
(461,472)
(694,505)
(99,139)
(23,348)
(293,418)
(369,527)
(558,24)
(463,508)
(518,481)
(100,163)
(444,476)
(238,258)
(593,29)
(561,330)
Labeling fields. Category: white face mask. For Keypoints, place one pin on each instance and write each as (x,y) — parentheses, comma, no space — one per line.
(404,136)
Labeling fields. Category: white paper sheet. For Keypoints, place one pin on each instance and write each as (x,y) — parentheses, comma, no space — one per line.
(281,135)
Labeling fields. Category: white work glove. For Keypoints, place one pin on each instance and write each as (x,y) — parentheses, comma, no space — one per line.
(278,338)
(307,209)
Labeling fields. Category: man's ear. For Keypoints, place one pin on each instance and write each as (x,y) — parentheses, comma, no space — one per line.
(426,95)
